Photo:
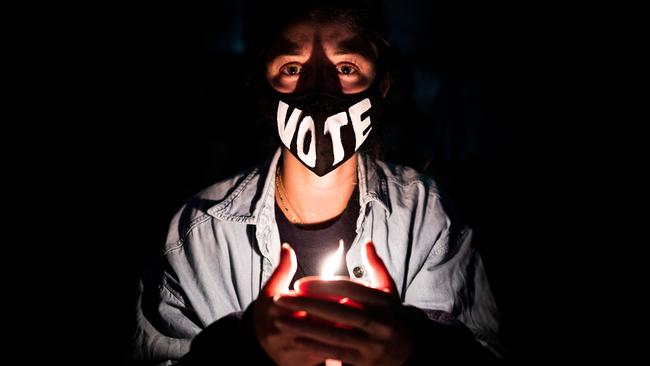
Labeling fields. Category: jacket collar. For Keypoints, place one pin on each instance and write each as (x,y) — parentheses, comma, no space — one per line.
(372,187)
(373,183)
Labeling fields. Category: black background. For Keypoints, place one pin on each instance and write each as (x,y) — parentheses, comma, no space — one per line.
(489,101)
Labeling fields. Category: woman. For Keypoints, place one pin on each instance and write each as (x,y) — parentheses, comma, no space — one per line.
(221,289)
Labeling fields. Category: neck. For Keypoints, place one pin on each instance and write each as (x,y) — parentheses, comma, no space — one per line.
(317,199)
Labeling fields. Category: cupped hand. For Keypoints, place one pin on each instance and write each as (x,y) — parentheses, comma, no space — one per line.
(281,345)
(377,332)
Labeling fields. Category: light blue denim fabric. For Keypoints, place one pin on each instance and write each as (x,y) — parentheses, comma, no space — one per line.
(224,244)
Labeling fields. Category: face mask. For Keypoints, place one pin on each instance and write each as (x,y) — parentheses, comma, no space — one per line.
(323,130)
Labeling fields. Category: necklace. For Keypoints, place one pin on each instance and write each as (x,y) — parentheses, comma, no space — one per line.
(294,218)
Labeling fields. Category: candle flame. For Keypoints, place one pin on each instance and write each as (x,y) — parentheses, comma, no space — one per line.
(331,263)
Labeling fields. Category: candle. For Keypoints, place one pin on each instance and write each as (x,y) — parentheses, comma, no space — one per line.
(304,286)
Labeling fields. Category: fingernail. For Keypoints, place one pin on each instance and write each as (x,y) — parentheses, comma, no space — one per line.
(279,323)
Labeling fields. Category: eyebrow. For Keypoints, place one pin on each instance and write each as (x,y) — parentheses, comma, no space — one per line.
(284,47)
(355,45)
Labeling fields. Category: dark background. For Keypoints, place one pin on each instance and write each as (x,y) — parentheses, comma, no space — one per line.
(485,103)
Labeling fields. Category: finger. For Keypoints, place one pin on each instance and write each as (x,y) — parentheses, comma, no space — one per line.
(336,313)
(281,278)
(350,289)
(276,311)
(326,333)
(379,276)
(327,351)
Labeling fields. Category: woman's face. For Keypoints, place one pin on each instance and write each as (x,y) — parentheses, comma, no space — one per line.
(311,56)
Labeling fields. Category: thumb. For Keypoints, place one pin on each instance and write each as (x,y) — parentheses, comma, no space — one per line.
(281,278)
(377,271)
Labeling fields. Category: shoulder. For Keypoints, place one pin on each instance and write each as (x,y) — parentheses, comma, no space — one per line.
(418,205)
(407,178)
(413,191)
(408,188)
(197,210)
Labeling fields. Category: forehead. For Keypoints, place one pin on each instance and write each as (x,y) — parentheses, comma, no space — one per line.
(335,37)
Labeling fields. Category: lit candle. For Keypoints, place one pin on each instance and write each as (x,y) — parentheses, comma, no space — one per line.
(330,264)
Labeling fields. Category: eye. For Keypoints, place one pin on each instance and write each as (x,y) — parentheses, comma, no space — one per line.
(291,69)
(346,69)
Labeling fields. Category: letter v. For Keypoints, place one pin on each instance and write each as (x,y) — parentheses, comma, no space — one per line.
(287,130)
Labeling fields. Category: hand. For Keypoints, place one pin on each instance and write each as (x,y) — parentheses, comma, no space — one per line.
(377,333)
(280,345)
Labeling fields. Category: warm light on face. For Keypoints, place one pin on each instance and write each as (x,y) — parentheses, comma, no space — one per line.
(332,262)
(329,56)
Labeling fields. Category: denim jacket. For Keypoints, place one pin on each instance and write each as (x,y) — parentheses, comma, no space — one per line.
(223,245)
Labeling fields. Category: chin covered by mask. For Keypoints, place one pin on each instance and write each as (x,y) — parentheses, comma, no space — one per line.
(324,130)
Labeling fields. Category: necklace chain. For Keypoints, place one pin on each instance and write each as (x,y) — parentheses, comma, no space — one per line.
(294,217)
(284,199)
